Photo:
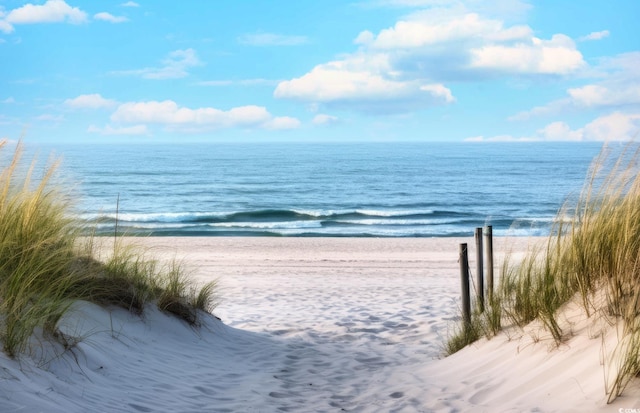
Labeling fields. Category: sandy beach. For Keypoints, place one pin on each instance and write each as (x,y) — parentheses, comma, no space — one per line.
(311,325)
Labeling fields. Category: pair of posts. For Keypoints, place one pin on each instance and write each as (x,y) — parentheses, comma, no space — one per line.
(464,273)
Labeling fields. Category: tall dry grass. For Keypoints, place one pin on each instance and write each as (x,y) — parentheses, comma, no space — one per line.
(44,266)
(594,253)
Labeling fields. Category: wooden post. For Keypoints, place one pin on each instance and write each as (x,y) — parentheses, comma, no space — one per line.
(464,282)
(479,270)
(489,236)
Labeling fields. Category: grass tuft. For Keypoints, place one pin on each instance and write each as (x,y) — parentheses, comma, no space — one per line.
(594,253)
(45,264)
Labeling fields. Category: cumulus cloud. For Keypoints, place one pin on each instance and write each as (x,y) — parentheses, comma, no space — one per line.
(440,42)
(559,131)
(619,87)
(362,81)
(53,11)
(174,66)
(271,39)
(437,27)
(127,130)
(616,126)
(108,17)
(130,4)
(407,66)
(91,101)
(599,95)
(556,56)
(169,114)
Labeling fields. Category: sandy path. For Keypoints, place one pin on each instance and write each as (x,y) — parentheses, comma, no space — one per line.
(355,315)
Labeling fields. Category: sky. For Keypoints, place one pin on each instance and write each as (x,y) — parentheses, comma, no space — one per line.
(81,71)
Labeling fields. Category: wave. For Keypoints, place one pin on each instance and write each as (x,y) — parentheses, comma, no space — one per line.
(261,215)
(392,222)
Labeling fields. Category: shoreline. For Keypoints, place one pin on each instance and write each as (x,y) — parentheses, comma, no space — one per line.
(233,254)
(282,278)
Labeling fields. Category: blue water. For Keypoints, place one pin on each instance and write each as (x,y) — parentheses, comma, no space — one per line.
(384,190)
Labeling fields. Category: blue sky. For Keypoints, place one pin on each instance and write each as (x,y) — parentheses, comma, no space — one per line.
(319,71)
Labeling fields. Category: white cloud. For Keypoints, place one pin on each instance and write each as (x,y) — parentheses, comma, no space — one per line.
(559,131)
(362,81)
(168,113)
(599,95)
(53,11)
(466,41)
(616,126)
(173,67)
(91,101)
(619,87)
(10,99)
(271,39)
(128,130)
(108,17)
(595,35)
(555,56)
(343,81)
(130,4)
(323,119)
(437,26)
(406,67)
(282,123)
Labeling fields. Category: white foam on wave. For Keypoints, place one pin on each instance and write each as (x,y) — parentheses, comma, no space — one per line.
(394,213)
(380,231)
(268,225)
(396,222)
(165,217)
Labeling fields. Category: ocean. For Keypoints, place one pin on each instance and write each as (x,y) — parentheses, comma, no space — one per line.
(359,190)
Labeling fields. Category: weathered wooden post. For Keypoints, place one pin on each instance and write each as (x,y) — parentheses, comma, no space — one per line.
(489,236)
(464,282)
(479,270)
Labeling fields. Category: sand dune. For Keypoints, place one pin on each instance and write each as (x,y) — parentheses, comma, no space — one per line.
(311,325)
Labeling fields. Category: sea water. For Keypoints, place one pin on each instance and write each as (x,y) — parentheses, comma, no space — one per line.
(361,190)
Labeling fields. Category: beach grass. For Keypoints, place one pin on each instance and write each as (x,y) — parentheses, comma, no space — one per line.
(592,255)
(47,263)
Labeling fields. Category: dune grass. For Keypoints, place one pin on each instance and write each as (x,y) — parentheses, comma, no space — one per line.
(594,253)
(47,264)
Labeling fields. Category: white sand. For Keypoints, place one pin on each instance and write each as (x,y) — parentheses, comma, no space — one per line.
(312,325)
